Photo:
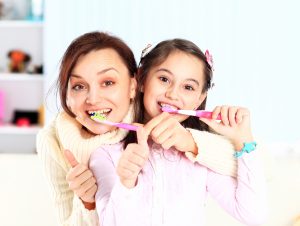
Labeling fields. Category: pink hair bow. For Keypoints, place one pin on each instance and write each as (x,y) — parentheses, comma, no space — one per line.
(209,60)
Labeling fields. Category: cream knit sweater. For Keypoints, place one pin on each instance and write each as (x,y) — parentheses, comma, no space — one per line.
(65,132)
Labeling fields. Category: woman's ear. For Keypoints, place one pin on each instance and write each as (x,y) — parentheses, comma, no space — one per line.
(133,85)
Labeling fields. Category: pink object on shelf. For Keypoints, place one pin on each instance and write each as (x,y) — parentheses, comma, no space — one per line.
(23,122)
(1,106)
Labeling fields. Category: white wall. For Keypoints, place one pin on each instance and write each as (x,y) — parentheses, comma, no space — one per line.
(254,44)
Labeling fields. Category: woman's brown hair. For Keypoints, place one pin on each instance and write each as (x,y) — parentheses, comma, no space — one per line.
(83,45)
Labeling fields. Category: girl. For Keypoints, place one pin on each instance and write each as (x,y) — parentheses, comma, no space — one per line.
(154,183)
(96,74)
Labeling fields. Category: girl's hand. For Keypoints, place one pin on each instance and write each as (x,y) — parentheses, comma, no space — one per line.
(168,132)
(81,181)
(235,124)
(133,159)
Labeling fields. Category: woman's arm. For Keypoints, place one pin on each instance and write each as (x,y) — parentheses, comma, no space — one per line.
(214,152)
(69,208)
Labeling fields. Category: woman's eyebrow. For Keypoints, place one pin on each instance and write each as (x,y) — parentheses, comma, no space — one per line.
(106,70)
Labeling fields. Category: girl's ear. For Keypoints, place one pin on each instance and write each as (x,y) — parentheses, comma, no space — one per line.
(133,85)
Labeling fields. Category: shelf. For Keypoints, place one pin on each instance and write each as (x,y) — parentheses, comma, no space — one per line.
(15,130)
(20,77)
(20,23)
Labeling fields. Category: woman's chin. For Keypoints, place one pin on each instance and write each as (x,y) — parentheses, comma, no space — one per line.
(101,129)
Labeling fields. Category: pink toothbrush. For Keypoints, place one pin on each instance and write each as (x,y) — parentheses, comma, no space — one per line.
(198,113)
(100,118)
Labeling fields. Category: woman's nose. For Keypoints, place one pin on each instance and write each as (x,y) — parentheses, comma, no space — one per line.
(94,96)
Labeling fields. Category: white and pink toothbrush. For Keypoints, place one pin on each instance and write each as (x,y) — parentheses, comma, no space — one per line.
(101,119)
(197,113)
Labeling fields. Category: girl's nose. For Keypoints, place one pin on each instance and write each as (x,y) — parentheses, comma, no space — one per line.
(172,93)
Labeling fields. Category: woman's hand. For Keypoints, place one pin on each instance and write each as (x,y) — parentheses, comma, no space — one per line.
(133,159)
(168,132)
(81,181)
(235,124)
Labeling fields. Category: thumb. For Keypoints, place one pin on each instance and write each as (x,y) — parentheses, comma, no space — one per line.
(142,136)
(211,123)
(71,159)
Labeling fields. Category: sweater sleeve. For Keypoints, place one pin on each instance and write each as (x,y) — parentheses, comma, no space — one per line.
(243,197)
(214,152)
(115,203)
(69,208)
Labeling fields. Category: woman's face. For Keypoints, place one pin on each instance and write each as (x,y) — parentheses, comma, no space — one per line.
(177,83)
(100,82)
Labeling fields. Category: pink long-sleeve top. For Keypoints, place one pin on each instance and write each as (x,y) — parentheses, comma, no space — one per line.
(171,190)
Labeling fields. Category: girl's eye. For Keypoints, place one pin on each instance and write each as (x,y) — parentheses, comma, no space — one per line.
(108,83)
(163,79)
(78,87)
(188,87)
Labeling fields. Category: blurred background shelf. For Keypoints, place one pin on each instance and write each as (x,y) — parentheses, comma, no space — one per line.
(20,24)
(16,130)
(20,77)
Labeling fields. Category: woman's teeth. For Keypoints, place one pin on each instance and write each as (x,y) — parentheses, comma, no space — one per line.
(102,112)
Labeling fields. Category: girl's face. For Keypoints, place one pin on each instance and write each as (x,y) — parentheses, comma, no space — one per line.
(177,83)
(100,82)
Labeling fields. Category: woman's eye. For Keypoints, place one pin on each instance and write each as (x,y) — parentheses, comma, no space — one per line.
(163,79)
(188,87)
(78,87)
(108,83)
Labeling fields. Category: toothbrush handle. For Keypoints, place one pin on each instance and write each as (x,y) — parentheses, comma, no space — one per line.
(207,114)
(127,126)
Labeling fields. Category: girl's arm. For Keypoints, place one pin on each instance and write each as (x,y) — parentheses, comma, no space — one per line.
(115,203)
(69,208)
(243,197)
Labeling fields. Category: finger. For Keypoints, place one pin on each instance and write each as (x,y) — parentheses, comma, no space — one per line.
(86,175)
(89,196)
(156,121)
(224,115)
(160,132)
(216,112)
(241,114)
(142,137)
(75,172)
(85,187)
(232,116)
(211,123)
(70,157)
(168,143)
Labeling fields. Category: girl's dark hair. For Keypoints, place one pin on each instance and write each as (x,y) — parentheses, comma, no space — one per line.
(157,56)
(83,45)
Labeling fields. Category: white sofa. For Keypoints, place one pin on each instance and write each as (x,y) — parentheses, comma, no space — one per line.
(25,198)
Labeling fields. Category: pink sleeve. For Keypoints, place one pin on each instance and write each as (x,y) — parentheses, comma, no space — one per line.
(243,197)
(114,202)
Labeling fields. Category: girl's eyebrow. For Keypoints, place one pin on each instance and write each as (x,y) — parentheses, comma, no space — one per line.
(169,72)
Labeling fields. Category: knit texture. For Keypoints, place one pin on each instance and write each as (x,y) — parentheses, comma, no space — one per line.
(66,133)
(215,152)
